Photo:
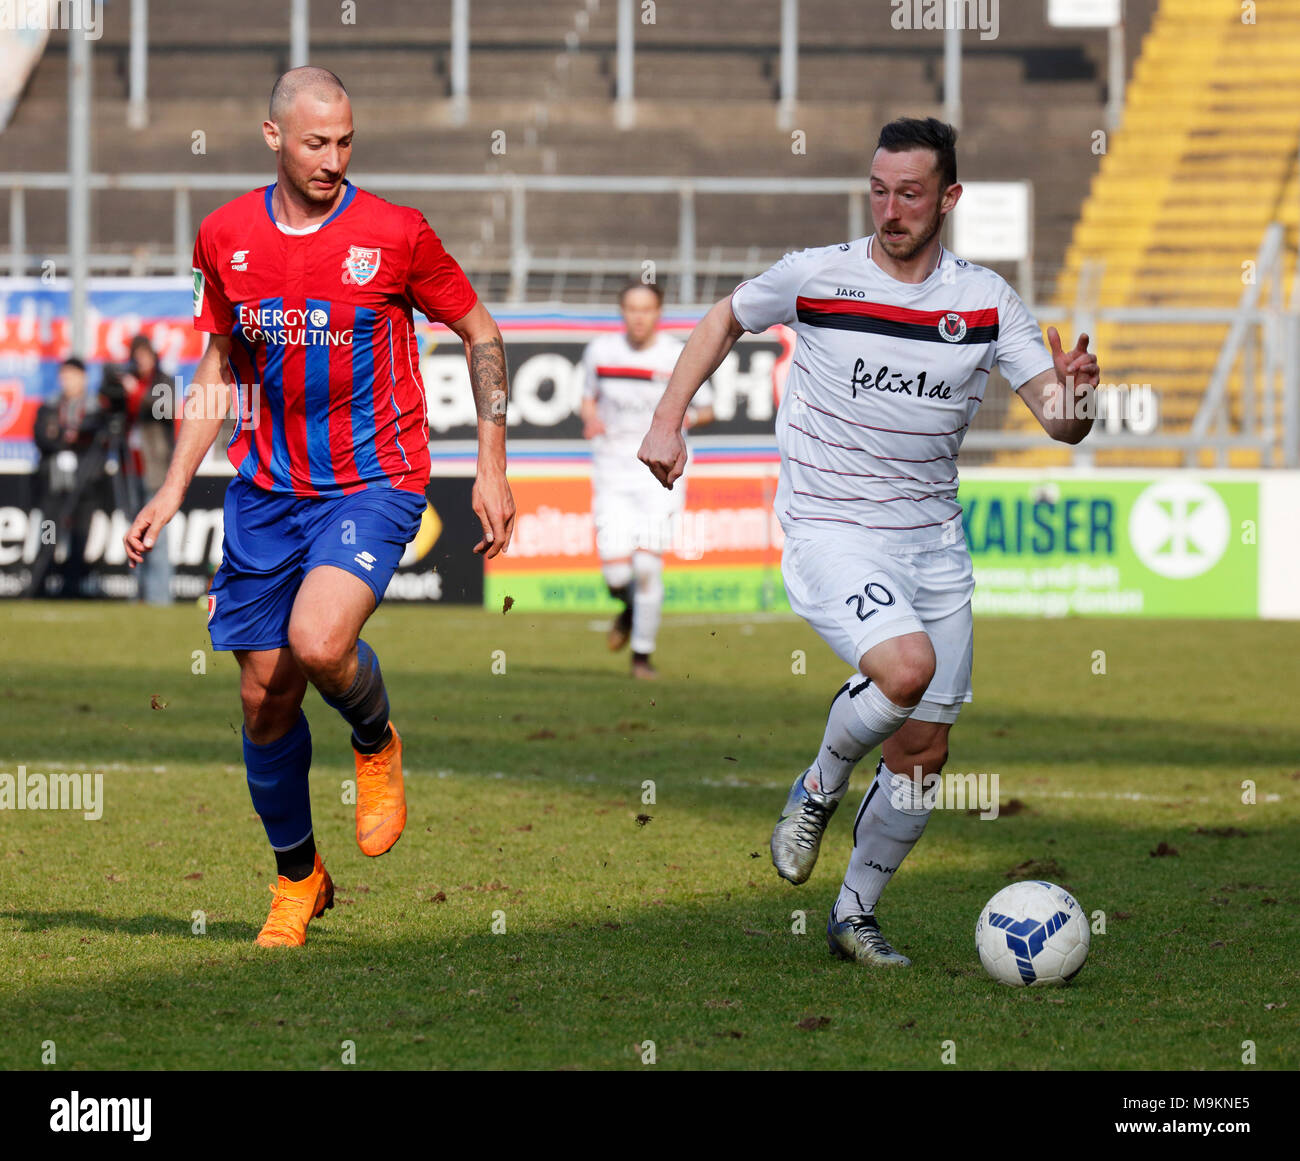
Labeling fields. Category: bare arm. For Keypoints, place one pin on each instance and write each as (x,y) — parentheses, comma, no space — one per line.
(663,450)
(1061,399)
(590,413)
(206,405)
(486,355)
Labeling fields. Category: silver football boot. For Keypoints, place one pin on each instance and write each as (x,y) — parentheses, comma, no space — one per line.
(797,836)
(857,938)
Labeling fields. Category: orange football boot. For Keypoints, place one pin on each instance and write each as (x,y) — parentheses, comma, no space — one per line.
(294,906)
(381,797)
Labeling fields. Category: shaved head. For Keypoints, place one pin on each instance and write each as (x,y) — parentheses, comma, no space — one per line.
(319,84)
(310,131)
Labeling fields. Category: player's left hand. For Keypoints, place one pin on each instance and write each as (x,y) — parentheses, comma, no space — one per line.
(1079,365)
(495,507)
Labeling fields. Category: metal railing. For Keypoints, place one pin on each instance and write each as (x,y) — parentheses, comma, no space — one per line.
(682,265)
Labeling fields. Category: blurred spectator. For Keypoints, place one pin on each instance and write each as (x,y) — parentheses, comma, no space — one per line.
(151,397)
(69,476)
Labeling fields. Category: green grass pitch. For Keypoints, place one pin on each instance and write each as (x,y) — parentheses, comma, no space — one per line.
(524,791)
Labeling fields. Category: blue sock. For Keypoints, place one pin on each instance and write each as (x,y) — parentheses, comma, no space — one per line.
(277,782)
(365,705)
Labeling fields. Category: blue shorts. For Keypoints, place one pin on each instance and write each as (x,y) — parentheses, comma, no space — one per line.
(273,541)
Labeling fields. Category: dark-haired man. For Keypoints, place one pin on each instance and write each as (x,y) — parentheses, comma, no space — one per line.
(306,288)
(896,339)
(623,378)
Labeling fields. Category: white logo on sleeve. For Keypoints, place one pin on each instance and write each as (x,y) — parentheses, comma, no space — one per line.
(239,260)
(366,561)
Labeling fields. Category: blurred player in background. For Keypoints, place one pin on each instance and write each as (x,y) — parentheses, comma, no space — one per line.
(624,378)
(896,339)
(307,288)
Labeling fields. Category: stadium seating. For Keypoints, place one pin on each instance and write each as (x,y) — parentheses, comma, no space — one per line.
(706,81)
(1183,197)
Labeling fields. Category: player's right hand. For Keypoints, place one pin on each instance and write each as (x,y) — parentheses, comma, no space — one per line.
(663,451)
(143,533)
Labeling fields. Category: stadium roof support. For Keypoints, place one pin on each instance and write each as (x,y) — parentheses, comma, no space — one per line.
(299,50)
(137,109)
(789,63)
(625,106)
(952,68)
(79,89)
(460,61)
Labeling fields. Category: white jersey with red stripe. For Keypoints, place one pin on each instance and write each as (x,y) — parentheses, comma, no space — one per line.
(885,380)
(627,384)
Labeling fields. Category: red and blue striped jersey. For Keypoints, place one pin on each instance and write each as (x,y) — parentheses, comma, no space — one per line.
(323,349)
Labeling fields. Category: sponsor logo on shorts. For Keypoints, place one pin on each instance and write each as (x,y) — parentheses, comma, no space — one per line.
(366,561)
(212,606)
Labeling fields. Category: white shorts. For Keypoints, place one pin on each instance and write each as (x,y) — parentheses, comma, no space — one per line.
(632,512)
(857,593)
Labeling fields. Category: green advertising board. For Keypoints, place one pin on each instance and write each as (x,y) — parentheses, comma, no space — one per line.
(1164,546)
(1174,545)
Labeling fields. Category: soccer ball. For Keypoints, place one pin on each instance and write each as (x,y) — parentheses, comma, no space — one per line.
(1032,933)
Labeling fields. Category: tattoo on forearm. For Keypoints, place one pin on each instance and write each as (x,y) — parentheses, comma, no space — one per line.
(487,366)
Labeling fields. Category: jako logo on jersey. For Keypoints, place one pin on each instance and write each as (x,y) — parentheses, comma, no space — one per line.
(952,327)
(361,265)
(849,292)
(239,260)
(366,561)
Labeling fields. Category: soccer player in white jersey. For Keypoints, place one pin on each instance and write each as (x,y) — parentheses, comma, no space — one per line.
(624,378)
(896,339)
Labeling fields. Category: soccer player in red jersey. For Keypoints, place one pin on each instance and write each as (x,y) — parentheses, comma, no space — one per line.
(306,288)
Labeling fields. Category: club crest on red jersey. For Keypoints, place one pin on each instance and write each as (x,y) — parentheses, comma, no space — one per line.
(361,265)
(952,327)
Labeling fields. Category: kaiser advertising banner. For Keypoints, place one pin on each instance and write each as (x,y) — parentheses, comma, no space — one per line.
(1096,544)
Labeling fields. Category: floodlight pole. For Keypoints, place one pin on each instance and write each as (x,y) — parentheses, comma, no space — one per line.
(79,65)
(298,50)
(137,110)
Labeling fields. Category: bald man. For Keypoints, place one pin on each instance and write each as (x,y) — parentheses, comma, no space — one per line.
(306,289)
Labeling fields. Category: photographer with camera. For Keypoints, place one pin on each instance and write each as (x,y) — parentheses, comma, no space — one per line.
(83,459)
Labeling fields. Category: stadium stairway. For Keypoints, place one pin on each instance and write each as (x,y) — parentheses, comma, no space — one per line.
(1199,168)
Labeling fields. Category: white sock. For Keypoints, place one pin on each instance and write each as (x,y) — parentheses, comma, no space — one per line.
(617,573)
(889,822)
(860,718)
(647,600)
